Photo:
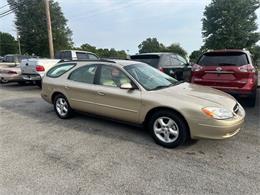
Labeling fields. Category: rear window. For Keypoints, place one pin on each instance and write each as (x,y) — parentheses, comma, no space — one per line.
(223,59)
(59,70)
(152,60)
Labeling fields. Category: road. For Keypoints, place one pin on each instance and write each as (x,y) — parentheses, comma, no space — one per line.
(42,154)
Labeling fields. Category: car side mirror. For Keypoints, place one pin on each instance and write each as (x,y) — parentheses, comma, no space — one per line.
(126,86)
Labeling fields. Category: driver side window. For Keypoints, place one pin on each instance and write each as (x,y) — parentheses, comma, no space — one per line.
(112,76)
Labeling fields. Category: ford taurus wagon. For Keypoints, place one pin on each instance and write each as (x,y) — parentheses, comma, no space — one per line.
(135,92)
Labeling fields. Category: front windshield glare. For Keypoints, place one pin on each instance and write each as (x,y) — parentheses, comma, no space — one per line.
(149,77)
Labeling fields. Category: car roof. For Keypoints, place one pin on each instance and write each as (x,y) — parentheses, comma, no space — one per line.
(83,51)
(114,62)
(228,50)
(154,53)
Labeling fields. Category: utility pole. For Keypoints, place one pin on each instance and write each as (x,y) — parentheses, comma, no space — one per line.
(48,16)
(19,44)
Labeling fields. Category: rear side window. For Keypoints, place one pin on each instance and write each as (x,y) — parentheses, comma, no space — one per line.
(59,70)
(82,56)
(85,74)
(92,57)
(64,55)
(172,60)
(152,60)
(223,59)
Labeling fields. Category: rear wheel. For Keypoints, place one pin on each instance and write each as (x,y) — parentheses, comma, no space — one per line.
(62,107)
(3,80)
(168,128)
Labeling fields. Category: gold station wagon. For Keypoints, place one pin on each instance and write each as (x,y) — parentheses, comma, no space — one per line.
(138,93)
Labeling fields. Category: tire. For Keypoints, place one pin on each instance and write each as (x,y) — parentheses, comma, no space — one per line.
(3,81)
(175,128)
(251,100)
(62,107)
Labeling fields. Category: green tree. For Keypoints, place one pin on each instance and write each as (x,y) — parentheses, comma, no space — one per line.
(256,54)
(230,24)
(32,26)
(151,45)
(176,48)
(8,44)
(194,56)
(88,47)
(104,53)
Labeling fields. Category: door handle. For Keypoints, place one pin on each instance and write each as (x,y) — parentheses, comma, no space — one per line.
(100,93)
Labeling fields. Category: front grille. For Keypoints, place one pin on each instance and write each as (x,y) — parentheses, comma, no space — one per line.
(236,108)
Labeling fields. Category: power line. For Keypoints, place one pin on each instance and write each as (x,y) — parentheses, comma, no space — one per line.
(4,6)
(7,13)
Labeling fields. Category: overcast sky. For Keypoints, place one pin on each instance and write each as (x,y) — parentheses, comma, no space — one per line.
(123,24)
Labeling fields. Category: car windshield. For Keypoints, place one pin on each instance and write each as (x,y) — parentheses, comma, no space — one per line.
(223,59)
(149,77)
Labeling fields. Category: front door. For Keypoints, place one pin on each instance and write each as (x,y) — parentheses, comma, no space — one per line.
(114,102)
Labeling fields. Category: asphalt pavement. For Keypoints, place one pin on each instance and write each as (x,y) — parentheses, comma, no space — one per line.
(42,154)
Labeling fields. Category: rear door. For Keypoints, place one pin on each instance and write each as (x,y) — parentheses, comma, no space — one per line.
(222,69)
(81,90)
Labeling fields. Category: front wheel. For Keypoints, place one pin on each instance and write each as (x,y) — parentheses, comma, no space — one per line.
(168,129)
(62,107)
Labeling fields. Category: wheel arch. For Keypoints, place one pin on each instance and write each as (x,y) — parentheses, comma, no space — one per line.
(153,110)
(55,94)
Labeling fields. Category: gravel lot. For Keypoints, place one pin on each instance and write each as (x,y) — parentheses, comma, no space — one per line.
(41,154)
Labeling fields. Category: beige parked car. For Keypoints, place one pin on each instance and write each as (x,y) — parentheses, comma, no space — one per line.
(11,73)
(138,93)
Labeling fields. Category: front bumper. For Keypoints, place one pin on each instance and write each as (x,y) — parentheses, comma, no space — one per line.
(218,129)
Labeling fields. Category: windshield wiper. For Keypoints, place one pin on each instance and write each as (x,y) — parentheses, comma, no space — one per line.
(166,86)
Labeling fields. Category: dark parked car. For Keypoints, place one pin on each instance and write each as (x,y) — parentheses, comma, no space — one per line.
(231,71)
(172,64)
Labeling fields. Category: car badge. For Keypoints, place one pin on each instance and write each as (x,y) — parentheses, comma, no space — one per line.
(218,69)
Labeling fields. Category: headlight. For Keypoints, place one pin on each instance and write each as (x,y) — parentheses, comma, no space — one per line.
(217,113)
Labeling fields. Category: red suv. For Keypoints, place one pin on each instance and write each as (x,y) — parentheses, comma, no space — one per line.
(231,71)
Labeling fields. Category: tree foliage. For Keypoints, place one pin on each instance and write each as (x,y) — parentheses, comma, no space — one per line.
(150,45)
(194,56)
(8,44)
(176,48)
(256,53)
(153,45)
(32,26)
(104,53)
(230,24)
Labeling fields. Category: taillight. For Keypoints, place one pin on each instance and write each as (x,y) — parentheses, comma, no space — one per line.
(11,72)
(247,68)
(196,68)
(161,69)
(39,68)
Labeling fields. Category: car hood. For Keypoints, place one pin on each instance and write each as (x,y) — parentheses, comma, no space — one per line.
(202,95)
